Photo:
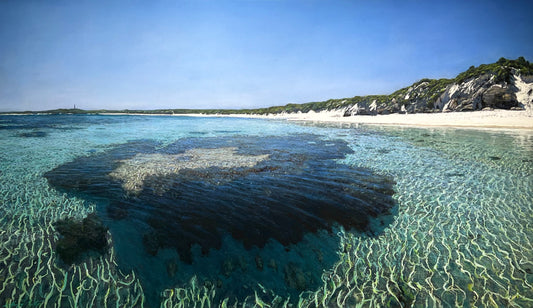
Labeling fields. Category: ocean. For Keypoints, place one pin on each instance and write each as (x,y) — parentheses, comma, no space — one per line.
(169,211)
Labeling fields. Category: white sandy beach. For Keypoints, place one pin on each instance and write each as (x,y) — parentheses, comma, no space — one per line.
(507,119)
(489,119)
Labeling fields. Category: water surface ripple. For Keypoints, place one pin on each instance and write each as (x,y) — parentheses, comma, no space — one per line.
(461,234)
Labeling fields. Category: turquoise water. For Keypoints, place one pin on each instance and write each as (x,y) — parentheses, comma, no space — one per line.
(457,231)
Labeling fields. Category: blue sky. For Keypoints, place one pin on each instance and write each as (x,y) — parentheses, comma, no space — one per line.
(242,54)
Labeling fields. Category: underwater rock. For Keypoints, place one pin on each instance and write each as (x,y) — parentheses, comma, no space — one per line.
(77,237)
(252,189)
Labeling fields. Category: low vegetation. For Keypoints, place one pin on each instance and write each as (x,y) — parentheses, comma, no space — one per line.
(502,69)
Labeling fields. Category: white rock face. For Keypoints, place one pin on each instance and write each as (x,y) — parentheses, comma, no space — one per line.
(472,94)
(352,110)
(524,93)
(373,107)
(472,91)
(466,95)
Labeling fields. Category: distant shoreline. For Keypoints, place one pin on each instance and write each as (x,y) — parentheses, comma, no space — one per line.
(497,95)
(494,119)
(502,119)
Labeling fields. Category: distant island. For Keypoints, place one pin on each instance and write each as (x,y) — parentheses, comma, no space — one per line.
(506,84)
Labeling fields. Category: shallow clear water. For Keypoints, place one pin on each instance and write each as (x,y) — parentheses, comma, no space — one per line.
(457,231)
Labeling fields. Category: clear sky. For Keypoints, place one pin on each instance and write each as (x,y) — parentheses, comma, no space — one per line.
(242,53)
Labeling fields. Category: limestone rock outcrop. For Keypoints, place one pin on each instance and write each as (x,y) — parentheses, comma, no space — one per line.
(499,97)
(506,84)
(477,93)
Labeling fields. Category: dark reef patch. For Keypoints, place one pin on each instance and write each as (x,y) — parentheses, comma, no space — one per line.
(33,134)
(57,122)
(296,188)
(79,237)
(454,174)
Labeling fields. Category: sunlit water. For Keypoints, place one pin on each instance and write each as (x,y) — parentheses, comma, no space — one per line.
(330,215)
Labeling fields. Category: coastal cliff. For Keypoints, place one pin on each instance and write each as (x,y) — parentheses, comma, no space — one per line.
(506,84)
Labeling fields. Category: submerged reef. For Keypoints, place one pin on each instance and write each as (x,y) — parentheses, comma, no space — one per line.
(193,194)
(252,190)
(32,134)
(134,172)
(78,237)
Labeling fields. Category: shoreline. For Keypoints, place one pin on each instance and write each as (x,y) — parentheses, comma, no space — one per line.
(493,119)
(504,119)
